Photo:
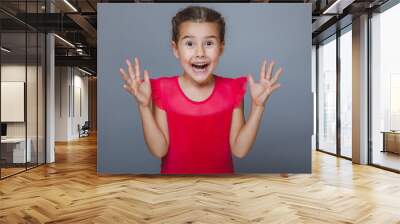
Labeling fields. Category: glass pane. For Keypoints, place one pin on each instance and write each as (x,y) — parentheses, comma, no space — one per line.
(22,88)
(327,96)
(346,94)
(14,5)
(9,24)
(41,98)
(32,7)
(13,86)
(386,89)
(31,100)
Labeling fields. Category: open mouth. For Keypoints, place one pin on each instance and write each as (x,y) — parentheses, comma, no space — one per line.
(200,67)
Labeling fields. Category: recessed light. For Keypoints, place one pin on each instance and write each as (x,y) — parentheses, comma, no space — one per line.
(64,40)
(5,50)
(84,71)
(70,5)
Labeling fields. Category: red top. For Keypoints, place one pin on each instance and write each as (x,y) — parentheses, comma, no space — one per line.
(198,130)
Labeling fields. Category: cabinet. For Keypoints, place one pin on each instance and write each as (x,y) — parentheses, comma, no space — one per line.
(391,141)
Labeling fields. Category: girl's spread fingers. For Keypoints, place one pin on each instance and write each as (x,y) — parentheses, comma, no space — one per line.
(130,69)
(277,75)
(262,69)
(124,75)
(127,88)
(146,76)
(269,72)
(275,87)
(137,69)
(251,80)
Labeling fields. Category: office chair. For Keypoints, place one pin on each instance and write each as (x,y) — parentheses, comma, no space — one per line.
(84,130)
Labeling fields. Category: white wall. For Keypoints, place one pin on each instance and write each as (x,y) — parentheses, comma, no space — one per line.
(62,81)
(71,93)
(81,84)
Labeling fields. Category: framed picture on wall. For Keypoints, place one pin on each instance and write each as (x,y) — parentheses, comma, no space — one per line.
(12,101)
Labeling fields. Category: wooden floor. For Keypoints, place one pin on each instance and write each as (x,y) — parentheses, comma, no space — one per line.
(5,172)
(70,191)
(387,159)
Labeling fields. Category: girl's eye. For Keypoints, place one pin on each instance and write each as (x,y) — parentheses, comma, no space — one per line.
(189,43)
(209,43)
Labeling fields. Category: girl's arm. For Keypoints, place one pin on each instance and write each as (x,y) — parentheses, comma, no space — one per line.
(155,130)
(243,134)
(154,123)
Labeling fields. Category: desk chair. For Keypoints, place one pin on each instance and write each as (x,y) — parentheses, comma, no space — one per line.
(84,130)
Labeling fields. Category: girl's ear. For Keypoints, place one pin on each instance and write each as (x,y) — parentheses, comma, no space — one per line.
(222,48)
(174,47)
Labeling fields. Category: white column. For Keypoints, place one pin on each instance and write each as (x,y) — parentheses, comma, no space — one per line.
(50,91)
(360,90)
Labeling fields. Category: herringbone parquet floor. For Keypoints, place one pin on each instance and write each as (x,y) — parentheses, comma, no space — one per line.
(69,191)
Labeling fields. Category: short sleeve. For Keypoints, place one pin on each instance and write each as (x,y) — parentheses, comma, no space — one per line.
(157,92)
(239,90)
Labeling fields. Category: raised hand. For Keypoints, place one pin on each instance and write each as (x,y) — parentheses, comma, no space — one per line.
(260,91)
(140,89)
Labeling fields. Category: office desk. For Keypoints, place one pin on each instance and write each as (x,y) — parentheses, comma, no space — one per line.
(391,141)
(15,148)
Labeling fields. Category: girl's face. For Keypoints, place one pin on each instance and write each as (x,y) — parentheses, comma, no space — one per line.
(198,49)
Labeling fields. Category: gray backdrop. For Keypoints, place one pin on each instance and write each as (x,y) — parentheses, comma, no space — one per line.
(253,32)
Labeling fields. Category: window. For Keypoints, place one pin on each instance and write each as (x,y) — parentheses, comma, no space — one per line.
(385,88)
(346,92)
(327,95)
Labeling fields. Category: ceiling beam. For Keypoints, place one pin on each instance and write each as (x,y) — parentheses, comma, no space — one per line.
(84,61)
(86,26)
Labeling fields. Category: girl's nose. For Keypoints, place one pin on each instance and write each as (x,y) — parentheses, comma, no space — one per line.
(200,51)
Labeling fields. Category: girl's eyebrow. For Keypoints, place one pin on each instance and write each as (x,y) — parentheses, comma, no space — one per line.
(189,36)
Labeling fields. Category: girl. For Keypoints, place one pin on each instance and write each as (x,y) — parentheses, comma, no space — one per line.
(194,122)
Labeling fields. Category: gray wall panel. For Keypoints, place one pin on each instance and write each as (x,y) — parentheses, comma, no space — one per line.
(254,31)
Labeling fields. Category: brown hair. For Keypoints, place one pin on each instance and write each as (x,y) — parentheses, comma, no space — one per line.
(197,14)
